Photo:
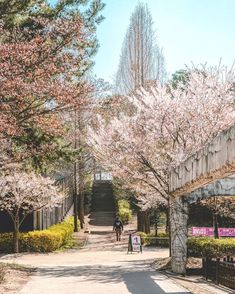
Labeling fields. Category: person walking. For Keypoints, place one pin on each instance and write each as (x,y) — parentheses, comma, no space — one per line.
(118,227)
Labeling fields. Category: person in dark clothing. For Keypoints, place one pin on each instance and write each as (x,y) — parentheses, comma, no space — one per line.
(118,227)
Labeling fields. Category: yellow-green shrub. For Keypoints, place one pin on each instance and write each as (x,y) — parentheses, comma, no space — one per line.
(143,237)
(163,240)
(150,240)
(124,211)
(210,247)
(42,241)
(47,240)
(6,242)
(65,229)
(123,204)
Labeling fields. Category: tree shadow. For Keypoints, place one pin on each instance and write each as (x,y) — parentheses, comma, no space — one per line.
(138,278)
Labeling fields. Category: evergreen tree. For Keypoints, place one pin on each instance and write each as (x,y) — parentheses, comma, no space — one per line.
(21,23)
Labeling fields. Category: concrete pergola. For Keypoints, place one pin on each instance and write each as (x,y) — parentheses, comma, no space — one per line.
(209,172)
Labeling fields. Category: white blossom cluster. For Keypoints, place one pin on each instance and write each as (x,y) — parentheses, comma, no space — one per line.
(164,126)
(28,192)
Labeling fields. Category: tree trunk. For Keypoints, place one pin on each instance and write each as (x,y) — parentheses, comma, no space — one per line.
(81,208)
(140,226)
(16,234)
(156,219)
(75,194)
(146,222)
(75,199)
(215,225)
(179,234)
(168,225)
(167,220)
(81,191)
(81,168)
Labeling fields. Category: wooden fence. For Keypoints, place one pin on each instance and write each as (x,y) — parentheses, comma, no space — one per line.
(220,271)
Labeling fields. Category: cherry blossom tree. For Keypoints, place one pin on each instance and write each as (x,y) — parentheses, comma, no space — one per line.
(21,194)
(164,126)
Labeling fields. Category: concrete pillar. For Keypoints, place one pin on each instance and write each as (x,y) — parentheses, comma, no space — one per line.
(179,234)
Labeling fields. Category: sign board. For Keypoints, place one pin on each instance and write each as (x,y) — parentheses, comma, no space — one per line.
(134,243)
(209,232)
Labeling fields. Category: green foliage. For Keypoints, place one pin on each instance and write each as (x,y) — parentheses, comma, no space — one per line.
(125,215)
(22,13)
(143,237)
(41,241)
(124,211)
(124,204)
(57,148)
(6,242)
(65,229)
(47,240)
(210,247)
(149,239)
(31,17)
(120,191)
(180,77)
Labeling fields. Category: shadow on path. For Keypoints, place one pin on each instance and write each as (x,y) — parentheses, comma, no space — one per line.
(138,278)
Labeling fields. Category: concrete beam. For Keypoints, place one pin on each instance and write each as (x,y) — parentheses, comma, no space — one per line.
(224,187)
(214,161)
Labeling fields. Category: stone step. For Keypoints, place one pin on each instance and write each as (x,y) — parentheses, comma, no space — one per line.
(102,202)
(102,218)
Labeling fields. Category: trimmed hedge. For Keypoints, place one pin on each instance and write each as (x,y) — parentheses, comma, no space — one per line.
(143,237)
(148,239)
(47,240)
(6,242)
(124,211)
(210,247)
(41,241)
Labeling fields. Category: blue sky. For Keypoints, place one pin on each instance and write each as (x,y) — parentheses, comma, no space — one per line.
(189,31)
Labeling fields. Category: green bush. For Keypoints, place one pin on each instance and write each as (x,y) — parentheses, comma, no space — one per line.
(47,240)
(149,239)
(6,242)
(124,211)
(123,204)
(65,229)
(163,240)
(210,247)
(143,237)
(125,215)
(41,241)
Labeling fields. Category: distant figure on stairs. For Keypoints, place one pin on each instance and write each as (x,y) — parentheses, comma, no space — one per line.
(118,227)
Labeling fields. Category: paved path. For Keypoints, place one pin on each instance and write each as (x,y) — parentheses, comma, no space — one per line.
(101,267)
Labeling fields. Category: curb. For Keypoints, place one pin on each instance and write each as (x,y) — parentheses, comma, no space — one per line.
(196,287)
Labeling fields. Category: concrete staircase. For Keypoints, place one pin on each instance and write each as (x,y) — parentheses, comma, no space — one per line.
(102,205)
